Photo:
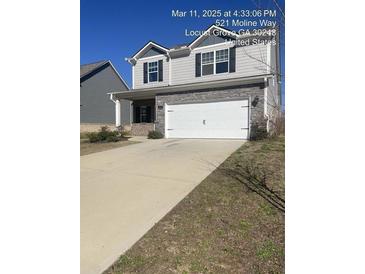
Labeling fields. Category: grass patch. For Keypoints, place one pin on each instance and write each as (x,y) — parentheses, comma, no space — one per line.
(244,226)
(198,267)
(267,250)
(88,147)
(83,135)
(268,209)
(221,226)
(136,261)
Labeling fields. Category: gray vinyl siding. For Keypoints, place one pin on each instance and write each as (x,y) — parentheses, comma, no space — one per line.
(183,69)
(152,52)
(138,73)
(250,61)
(96,106)
(125,112)
(212,40)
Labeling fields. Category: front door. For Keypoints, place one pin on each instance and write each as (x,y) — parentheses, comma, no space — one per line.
(143,114)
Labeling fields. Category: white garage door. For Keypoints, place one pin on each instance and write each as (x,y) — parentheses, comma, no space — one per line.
(227,119)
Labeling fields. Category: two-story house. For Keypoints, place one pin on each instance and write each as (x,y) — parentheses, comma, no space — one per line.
(217,86)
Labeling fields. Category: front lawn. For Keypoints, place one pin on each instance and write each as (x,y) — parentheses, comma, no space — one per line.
(233,222)
(104,139)
(87,148)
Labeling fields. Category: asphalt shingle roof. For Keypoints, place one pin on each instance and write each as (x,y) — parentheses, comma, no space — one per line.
(87,68)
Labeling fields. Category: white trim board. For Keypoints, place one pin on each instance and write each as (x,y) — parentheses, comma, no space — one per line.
(229,44)
(147,45)
(151,57)
(228,32)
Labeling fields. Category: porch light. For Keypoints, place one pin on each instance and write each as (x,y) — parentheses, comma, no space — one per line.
(255,101)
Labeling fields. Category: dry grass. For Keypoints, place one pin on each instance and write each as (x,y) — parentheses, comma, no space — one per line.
(88,148)
(220,227)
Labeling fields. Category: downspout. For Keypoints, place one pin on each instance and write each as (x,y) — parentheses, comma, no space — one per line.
(268,63)
(265,106)
(117,111)
(170,66)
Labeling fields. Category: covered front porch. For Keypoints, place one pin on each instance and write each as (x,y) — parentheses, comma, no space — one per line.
(143,116)
(142,113)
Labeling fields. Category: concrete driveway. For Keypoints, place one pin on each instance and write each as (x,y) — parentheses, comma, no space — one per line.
(125,191)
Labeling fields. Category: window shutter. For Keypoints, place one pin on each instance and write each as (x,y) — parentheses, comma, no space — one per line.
(145,73)
(198,65)
(160,70)
(232,59)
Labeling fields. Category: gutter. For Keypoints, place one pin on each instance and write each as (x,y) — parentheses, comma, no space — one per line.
(131,61)
(193,86)
(111,97)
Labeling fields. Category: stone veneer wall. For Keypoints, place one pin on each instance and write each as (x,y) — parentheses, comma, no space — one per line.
(211,95)
(141,129)
(89,127)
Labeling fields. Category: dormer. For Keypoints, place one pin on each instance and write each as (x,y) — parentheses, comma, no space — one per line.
(150,68)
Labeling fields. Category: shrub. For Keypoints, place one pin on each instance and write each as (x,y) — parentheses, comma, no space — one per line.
(104,135)
(93,137)
(112,138)
(278,125)
(125,133)
(154,134)
(258,132)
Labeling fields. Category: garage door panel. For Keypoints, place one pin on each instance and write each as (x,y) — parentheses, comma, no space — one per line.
(208,120)
(185,117)
(224,134)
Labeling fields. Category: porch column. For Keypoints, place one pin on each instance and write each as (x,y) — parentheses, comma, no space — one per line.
(117,113)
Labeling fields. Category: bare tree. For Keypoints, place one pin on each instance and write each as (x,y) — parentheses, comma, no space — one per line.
(274,115)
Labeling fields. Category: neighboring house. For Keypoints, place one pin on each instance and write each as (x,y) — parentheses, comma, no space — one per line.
(96,81)
(215,87)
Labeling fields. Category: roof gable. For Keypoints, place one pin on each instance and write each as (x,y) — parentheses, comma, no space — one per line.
(213,35)
(152,52)
(212,40)
(148,47)
(88,70)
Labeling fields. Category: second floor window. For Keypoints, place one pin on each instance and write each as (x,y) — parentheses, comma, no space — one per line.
(208,63)
(221,61)
(215,62)
(152,71)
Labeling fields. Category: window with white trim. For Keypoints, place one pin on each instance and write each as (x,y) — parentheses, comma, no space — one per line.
(208,63)
(153,71)
(221,61)
(215,62)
